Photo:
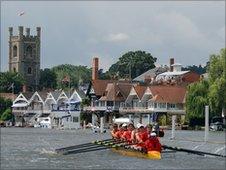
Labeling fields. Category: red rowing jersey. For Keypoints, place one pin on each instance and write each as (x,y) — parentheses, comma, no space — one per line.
(119,134)
(127,135)
(114,133)
(153,144)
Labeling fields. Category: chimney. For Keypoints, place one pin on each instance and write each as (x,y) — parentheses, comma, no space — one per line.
(95,68)
(24,88)
(171,63)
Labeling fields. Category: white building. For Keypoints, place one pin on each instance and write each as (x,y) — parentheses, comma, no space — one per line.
(62,109)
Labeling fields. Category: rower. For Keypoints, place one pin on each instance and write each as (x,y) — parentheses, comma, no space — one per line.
(122,128)
(141,136)
(127,134)
(153,144)
(114,131)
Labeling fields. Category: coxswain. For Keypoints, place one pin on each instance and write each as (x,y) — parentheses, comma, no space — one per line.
(114,131)
(149,129)
(153,144)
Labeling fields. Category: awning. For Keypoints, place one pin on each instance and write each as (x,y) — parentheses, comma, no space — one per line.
(73,102)
(20,105)
(122,120)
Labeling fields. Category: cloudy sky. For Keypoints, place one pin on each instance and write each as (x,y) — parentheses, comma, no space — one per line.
(73,32)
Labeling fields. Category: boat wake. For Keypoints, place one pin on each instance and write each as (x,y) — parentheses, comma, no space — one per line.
(50,152)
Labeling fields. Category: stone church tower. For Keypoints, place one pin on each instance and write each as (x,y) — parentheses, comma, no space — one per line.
(24,55)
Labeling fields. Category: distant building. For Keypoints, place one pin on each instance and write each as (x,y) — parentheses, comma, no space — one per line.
(24,55)
(149,75)
(61,109)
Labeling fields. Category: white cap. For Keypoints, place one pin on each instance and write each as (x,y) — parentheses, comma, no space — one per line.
(153,134)
(124,125)
(139,125)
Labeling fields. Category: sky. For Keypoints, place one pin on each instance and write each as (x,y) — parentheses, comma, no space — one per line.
(73,32)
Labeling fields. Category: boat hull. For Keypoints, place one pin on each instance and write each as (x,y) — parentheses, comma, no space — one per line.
(154,155)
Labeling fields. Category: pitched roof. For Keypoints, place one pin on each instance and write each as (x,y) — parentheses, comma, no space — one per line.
(10,96)
(28,95)
(43,94)
(56,94)
(168,94)
(150,73)
(99,86)
(116,91)
(140,90)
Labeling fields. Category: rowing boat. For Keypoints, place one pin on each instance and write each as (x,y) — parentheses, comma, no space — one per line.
(154,155)
(119,148)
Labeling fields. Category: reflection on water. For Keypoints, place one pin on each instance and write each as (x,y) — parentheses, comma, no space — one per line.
(27,148)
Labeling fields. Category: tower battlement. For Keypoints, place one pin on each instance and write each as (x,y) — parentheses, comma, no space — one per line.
(24,54)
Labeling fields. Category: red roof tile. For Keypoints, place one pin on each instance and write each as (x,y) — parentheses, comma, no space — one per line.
(168,94)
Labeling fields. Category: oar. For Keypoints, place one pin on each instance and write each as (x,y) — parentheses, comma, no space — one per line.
(93,148)
(81,145)
(192,151)
(85,150)
(98,145)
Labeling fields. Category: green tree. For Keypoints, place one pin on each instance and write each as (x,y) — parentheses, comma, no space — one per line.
(217,81)
(196,99)
(7,79)
(77,74)
(132,63)
(47,79)
(7,115)
(216,68)
(4,104)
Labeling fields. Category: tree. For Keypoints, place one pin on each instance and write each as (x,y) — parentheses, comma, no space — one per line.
(4,104)
(47,79)
(77,75)
(196,99)
(8,80)
(198,69)
(217,66)
(7,115)
(211,92)
(217,81)
(133,63)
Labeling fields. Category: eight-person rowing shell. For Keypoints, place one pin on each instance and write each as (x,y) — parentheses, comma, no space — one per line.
(142,138)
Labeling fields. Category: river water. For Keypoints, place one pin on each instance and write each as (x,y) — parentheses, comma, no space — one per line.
(33,148)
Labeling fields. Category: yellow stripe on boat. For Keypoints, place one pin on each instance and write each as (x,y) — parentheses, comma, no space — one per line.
(154,155)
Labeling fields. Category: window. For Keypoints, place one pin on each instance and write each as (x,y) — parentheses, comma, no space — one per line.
(29,71)
(75,119)
(29,51)
(102,103)
(162,105)
(14,51)
(14,69)
(172,105)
